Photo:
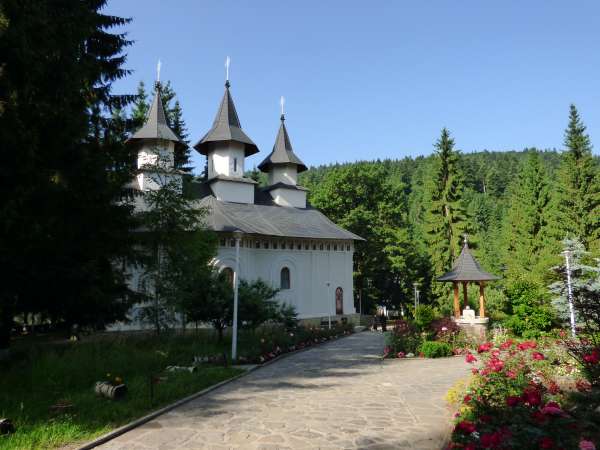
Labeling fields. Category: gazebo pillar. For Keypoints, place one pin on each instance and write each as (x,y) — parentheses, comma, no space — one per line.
(481,299)
(465,295)
(456,301)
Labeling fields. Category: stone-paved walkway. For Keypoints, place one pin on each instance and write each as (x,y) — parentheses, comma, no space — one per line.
(339,395)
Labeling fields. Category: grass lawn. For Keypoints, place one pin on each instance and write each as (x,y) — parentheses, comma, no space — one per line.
(40,375)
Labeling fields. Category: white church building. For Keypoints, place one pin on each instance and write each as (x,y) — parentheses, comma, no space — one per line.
(282,239)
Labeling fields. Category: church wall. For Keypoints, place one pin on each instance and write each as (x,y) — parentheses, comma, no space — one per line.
(156,152)
(289,197)
(222,160)
(233,191)
(283,174)
(310,271)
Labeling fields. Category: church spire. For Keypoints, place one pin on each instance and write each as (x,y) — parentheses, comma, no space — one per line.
(155,126)
(282,153)
(226,126)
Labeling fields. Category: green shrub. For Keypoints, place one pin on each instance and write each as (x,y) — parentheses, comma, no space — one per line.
(425,314)
(530,314)
(403,338)
(434,349)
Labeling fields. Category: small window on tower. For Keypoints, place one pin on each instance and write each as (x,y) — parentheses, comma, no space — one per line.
(235,164)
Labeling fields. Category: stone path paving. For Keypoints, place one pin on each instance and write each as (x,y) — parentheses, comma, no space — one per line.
(339,395)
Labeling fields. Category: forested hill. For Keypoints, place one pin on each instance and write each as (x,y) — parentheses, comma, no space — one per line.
(486,171)
(515,206)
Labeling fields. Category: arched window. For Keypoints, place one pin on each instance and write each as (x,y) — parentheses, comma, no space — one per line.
(228,273)
(339,301)
(284,282)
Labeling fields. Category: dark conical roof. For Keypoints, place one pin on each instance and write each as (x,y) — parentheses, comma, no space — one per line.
(155,126)
(226,127)
(466,268)
(282,151)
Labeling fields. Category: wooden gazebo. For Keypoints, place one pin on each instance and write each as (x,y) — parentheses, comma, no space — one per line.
(467,270)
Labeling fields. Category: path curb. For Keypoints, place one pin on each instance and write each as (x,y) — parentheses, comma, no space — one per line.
(159,412)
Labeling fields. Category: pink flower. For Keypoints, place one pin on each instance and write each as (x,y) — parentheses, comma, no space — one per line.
(583,386)
(592,358)
(527,345)
(400,355)
(484,347)
(491,440)
(538,356)
(465,427)
(387,350)
(506,345)
(532,396)
(474,371)
(586,445)
(467,398)
(470,358)
(513,400)
(553,409)
(511,374)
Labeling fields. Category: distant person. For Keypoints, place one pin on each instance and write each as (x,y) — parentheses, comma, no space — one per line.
(383,323)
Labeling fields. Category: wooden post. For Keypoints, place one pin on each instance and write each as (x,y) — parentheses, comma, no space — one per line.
(456,302)
(465,296)
(481,300)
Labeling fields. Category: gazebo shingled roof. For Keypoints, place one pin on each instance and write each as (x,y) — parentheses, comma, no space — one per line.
(466,268)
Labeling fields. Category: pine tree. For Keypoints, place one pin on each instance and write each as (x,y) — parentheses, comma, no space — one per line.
(445,217)
(577,203)
(182,154)
(524,230)
(63,236)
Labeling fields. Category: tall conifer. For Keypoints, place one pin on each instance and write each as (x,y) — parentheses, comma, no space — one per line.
(445,217)
(577,203)
(524,230)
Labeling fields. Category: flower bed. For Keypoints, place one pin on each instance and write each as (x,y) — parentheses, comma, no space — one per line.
(273,342)
(519,397)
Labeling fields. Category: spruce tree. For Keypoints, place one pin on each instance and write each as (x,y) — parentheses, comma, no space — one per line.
(577,203)
(445,216)
(182,154)
(524,230)
(64,238)
(140,107)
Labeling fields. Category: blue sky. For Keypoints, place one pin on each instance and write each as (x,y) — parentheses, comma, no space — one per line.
(375,79)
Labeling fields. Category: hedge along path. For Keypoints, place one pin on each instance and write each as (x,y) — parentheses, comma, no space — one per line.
(340,395)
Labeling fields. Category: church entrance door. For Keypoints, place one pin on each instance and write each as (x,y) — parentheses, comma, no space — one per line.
(339,301)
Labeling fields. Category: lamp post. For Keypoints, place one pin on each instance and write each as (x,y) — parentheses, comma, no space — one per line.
(567,254)
(237,235)
(415,285)
(329,303)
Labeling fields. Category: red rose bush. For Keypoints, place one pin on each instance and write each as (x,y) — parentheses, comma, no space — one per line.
(513,402)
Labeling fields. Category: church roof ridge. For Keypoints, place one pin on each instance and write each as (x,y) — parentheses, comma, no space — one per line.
(226,127)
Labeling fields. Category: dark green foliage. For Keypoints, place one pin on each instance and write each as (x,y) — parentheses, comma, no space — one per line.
(177,251)
(64,240)
(365,200)
(577,201)
(404,338)
(257,303)
(445,217)
(527,249)
(424,315)
(530,314)
(434,349)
